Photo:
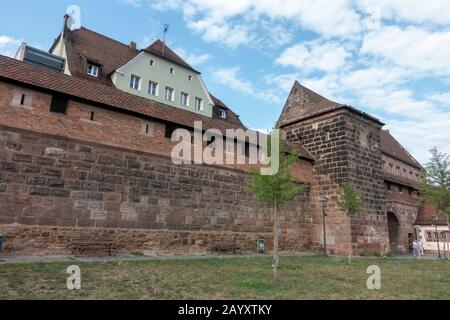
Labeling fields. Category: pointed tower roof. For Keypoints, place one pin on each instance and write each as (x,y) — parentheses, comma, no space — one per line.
(161,50)
(304,103)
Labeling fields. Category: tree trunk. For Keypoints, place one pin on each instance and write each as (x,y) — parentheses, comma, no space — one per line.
(276,238)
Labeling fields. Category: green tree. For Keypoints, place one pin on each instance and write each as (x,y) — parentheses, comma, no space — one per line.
(434,186)
(350,200)
(276,191)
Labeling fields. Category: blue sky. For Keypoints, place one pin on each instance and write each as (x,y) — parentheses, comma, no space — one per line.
(388,58)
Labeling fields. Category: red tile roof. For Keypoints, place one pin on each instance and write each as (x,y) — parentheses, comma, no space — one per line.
(426,212)
(84,45)
(231,116)
(303,103)
(393,148)
(161,50)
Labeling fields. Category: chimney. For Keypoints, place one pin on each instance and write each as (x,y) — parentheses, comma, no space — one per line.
(132,45)
(67,27)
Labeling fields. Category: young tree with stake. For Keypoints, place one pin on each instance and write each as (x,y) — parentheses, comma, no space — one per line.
(276,191)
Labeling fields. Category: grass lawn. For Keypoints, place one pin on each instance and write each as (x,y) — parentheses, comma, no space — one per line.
(310,277)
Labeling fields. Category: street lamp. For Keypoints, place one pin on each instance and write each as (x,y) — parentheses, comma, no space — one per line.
(435,218)
(323,204)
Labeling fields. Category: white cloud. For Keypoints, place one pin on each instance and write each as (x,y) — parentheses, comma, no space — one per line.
(374,77)
(442,99)
(230,77)
(412,11)
(418,137)
(263,22)
(314,55)
(133,3)
(191,58)
(411,47)
(8,45)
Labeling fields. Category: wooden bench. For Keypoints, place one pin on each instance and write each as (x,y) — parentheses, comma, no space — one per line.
(225,247)
(82,244)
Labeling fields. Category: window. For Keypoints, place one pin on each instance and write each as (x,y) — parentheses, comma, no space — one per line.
(400,189)
(190,77)
(169,94)
(22,99)
(198,104)
(58,104)
(210,142)
(429,236)
(222,113)
(172,71)
(153,88)
(152,62)
(185,99)
(92,115)
(135,82)
(169,130)
(147,128)
(92,70)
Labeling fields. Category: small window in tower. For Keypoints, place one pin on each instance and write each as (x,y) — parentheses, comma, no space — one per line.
(190,77)
(22,99)
(147,128)
(152,62)
(172,71)
(59,104)
(92,116)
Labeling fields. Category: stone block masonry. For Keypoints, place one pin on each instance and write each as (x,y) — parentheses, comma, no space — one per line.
(54,188)
(347,148)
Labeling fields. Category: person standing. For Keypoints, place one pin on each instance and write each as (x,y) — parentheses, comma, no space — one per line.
(420,248)
(415,248)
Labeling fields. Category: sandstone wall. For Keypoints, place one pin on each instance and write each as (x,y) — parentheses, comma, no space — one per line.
(54,188)
(347,149)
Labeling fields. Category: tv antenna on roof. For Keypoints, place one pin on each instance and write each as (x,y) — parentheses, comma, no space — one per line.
(166,30)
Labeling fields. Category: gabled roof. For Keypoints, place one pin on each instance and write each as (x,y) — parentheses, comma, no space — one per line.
(85,45)
(394,149)
(231,115)
(303,103)
(426,212)
(161,50)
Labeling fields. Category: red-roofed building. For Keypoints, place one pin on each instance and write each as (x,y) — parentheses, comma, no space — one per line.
(86,132)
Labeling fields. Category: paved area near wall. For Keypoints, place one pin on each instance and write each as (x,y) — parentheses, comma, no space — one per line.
(45,259)
(62,258)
